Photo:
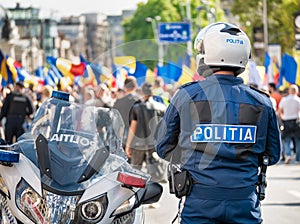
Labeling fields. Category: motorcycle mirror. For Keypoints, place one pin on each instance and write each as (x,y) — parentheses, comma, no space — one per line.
(152,194)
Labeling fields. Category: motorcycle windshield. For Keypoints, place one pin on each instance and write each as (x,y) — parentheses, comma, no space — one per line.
(74,144)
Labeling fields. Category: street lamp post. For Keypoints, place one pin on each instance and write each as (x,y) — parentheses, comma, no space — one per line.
(265,22)
(160,45)
(189,18)
(210,12)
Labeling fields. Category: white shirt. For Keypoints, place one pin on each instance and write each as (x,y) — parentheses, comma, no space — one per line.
(291,107)
(274,103)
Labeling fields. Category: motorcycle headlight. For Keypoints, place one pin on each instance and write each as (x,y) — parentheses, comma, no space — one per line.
(3,187)
(46,209)
(125,207)
(93,211)
(30,203)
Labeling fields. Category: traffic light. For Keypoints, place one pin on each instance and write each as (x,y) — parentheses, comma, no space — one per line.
(297,30)
(258,42)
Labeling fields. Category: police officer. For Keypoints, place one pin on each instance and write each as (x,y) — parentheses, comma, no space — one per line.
(16,107)
(218,130)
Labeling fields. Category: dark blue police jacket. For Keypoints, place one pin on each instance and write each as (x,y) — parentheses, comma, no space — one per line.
(217,129)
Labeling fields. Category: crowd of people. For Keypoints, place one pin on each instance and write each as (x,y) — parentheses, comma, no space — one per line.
(217,132)
(17,119)
(139,106)
(287,106)
(196,127)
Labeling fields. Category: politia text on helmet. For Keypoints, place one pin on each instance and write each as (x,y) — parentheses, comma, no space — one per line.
(234,41)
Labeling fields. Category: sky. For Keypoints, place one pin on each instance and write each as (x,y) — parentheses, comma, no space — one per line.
(76,7)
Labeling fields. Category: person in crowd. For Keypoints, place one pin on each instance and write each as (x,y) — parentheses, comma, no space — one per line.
(125,103)
(114,95)
(274,94)
(43,95)
(89,96)
(120,93)
(102,96)
(159,91)
(16,107)
(218,132)
(289,110)
(30,91)
(143,119)
(46,93)
(265,90)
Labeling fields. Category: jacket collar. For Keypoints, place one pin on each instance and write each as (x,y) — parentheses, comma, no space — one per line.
(225,79)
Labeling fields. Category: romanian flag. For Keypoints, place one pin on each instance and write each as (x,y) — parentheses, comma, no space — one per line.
(14,72)
(193,65)
(120,75)
(127,62)
(297,58)
(288,69)
(272,70)
(102,73)
(90,76)
(187,75)
(18,73)
(27,78)
(171,72)
(6,74)
(94,74)
(150,76)
(52,75)
(267,63)
(122,67)
(106,76)
(3,67)
(67,67)
(13,65)
(140,73)
(40,75)
(276,71)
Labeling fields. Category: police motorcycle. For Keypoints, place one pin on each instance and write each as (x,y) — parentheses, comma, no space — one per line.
(70,168)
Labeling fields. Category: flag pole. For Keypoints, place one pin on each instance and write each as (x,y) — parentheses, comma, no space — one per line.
(188,14)
(265,22)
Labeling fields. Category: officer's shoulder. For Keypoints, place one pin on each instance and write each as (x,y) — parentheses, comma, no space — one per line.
(259,91)
(189,84)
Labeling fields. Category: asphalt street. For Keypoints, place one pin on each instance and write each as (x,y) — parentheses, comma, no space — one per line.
(281,206)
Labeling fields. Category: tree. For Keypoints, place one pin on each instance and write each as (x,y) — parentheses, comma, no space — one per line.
(139,37)
(280,19)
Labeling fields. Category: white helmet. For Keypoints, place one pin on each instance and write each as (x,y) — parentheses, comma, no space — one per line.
(222,46)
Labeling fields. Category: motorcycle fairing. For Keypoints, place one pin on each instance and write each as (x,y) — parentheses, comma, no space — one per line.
(73,136)
(70,168)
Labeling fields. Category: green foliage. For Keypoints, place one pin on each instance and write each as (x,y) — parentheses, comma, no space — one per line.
(139,37)
(140,41)
(280,19)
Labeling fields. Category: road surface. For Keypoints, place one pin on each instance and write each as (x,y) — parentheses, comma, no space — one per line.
(281,206)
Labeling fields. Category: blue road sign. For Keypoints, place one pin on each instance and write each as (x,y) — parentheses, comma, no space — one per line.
(174,32)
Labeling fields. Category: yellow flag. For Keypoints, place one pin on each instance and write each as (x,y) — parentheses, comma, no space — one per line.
(186,76)
(150,76)
(297,58)
(126,61)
